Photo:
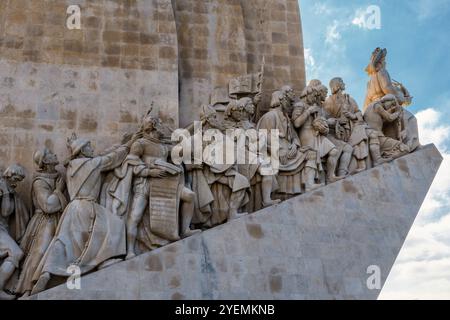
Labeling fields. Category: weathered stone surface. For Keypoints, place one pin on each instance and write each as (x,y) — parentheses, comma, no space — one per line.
(130,55)
(316,246)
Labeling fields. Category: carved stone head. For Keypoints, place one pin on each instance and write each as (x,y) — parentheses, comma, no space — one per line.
(13,175)
(377,61)
(337,85)
(44,159)
(79,146)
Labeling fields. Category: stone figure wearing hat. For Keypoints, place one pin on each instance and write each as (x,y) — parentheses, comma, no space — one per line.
(48,203)
(220,190)
(334,153)
(14,217)
(88,235)
(297,162)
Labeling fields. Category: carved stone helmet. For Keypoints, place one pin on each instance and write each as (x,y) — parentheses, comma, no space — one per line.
(207,112)
(277,99)
(76,144)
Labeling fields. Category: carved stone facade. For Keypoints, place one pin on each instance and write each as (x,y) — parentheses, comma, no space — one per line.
(238,68)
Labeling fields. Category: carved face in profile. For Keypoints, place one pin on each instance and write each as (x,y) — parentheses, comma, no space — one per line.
(214,122)
(88,150)
(50,158)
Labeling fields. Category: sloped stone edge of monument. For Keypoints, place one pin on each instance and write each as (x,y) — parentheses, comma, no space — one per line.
(315,246)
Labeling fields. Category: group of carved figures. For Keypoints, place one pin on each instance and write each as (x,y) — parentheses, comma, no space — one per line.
(132,198)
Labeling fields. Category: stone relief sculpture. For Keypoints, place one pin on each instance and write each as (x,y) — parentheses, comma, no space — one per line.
(48,203)
(380,84)
(133,198)
(13,222)
(239,116)
(347,124)
(379,113)
(220,190)
(138,186)
(88,235)
(335,153)
(297,162)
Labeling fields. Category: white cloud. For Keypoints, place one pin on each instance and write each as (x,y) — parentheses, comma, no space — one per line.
(422,270)
(333,33)
(360,19)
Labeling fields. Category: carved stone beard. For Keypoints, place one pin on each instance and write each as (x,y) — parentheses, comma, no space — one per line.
(214,124)
(153,135)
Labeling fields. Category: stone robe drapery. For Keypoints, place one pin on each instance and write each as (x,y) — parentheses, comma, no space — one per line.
(290,172)
(87,234)
(12,225)
(42,227)
(215,186)
(358,139)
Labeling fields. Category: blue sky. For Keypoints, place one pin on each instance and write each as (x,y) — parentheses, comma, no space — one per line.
(416,34)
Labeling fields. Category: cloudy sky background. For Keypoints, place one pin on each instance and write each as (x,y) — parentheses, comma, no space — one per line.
(339,42)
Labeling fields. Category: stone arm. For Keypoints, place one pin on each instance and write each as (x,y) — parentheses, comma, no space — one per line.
(114,159)
(388,88)
(7,206)
(300,116)
(48,201)
(388,117)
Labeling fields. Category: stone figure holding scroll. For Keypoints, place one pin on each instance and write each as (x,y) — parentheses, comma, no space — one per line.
(48,203)
(88,235)
(150,193)
(14,218)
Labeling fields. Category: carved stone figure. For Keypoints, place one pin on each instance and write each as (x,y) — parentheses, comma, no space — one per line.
(220,190)
(88,235)
(140,181)
(49,201)
(239,115)
(335,153)
(380,83)
(13,221)
(297,162)
(347,122)
(379,113)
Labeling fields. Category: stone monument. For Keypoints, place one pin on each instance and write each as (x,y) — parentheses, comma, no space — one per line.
(220,175)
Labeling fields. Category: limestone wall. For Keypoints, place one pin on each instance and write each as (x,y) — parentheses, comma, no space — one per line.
(128,56)
(97,81)
(221,39)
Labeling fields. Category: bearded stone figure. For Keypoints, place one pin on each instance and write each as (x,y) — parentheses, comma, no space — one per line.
(334,153)
(297,161)
(221,192)
(49,201)
(135,193)
(257,167)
